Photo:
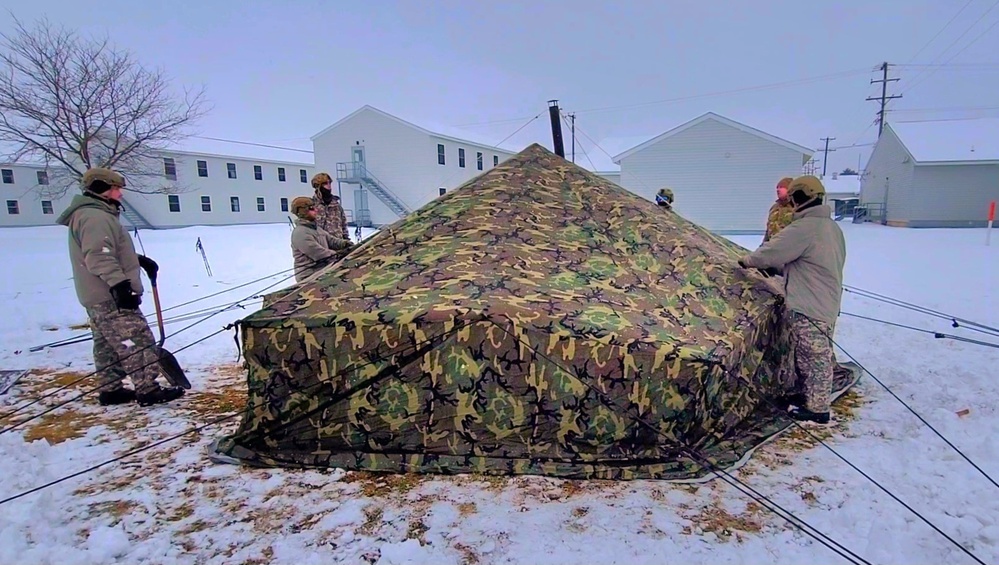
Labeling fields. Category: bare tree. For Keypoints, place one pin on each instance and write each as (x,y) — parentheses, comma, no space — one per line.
(74,103)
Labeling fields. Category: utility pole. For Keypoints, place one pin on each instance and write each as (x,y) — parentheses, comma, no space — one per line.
(825,156)
(553,113)
(572,120)
(884,98)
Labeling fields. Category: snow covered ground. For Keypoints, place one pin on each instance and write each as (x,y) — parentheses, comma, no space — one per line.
(171,505)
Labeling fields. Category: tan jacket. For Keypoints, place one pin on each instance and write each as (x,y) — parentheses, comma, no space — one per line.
(313,248)
(811,251)
(100,249)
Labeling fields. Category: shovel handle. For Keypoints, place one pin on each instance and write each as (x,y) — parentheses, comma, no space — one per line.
(159,313)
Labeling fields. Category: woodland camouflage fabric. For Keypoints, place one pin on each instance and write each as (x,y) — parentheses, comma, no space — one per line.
(538,320)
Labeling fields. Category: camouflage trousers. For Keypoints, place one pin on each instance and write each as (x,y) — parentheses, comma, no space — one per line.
(123,346)
(814,360)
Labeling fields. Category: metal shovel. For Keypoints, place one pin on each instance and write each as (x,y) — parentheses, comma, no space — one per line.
(168,363)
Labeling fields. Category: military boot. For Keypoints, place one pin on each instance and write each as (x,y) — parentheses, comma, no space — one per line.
(806,416)
(159,396)
(120,395)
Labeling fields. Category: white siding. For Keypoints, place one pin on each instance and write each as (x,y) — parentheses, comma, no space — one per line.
(723,178)
(952,195)
(402,157)
(219,187)
(889,170)
(613,176)
(28,196)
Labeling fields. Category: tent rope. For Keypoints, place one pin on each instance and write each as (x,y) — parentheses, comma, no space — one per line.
(337,398)
(935,334)
(791,518)
(24,407)
(955,321)
(89,335)
(910,409)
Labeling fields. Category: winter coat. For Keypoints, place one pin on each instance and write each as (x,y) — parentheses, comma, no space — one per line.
(312,248)
(100,250)
(778,218)
(812,252)
(331,217)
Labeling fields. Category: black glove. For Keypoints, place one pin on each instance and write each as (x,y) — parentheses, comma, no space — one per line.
(742,263)
(124,297)
(771,272)
(149,266)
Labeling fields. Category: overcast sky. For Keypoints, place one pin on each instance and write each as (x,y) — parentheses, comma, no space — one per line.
(279,72)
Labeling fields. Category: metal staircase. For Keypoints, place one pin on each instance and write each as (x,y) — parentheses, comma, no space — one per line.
(133,217)
(358,173)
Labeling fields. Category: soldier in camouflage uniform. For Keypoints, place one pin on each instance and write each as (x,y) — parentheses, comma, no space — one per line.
(781,211)
(664,198)
(812,252)
(330,216)
(311,247)
(106,276)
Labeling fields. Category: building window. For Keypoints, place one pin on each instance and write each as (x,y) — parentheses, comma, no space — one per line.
(42,176)
(8,177)
(284,204)
(461,157)
(12,208)
(202,168)
(442,191)
(440,153)
(47,207)
(303,175)
(231,169)
(495,160)
(260,204)
(281,174)
(478,161)
(206,203)
(174,202)
(258,172)
(234,203)
(169,168)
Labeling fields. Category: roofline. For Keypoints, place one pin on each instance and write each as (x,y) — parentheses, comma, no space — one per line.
(729,122)
(938,163)
(168,152)
(407,124)
(961,162)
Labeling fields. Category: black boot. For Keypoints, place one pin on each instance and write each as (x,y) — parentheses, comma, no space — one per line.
(805,415)
(159,396)
(116,396)
(785,402)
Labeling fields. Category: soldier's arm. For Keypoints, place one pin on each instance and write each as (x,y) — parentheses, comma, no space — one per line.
(789,244)
(334,242)
(98,241)
(313,248)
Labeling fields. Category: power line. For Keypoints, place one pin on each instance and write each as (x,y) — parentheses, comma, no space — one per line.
(733,91)
(950,21)
(253,144)
(925,73)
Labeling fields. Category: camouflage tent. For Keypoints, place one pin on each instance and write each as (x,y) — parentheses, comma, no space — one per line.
(538,320)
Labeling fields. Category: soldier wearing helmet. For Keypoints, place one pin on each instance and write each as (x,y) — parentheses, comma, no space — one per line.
(780,213)
(664,198)
(106,276)
(312,247)
(330,216)
(811,251)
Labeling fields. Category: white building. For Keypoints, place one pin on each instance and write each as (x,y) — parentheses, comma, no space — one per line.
(205,189)
(933,174)
(385,167)
(722,172)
